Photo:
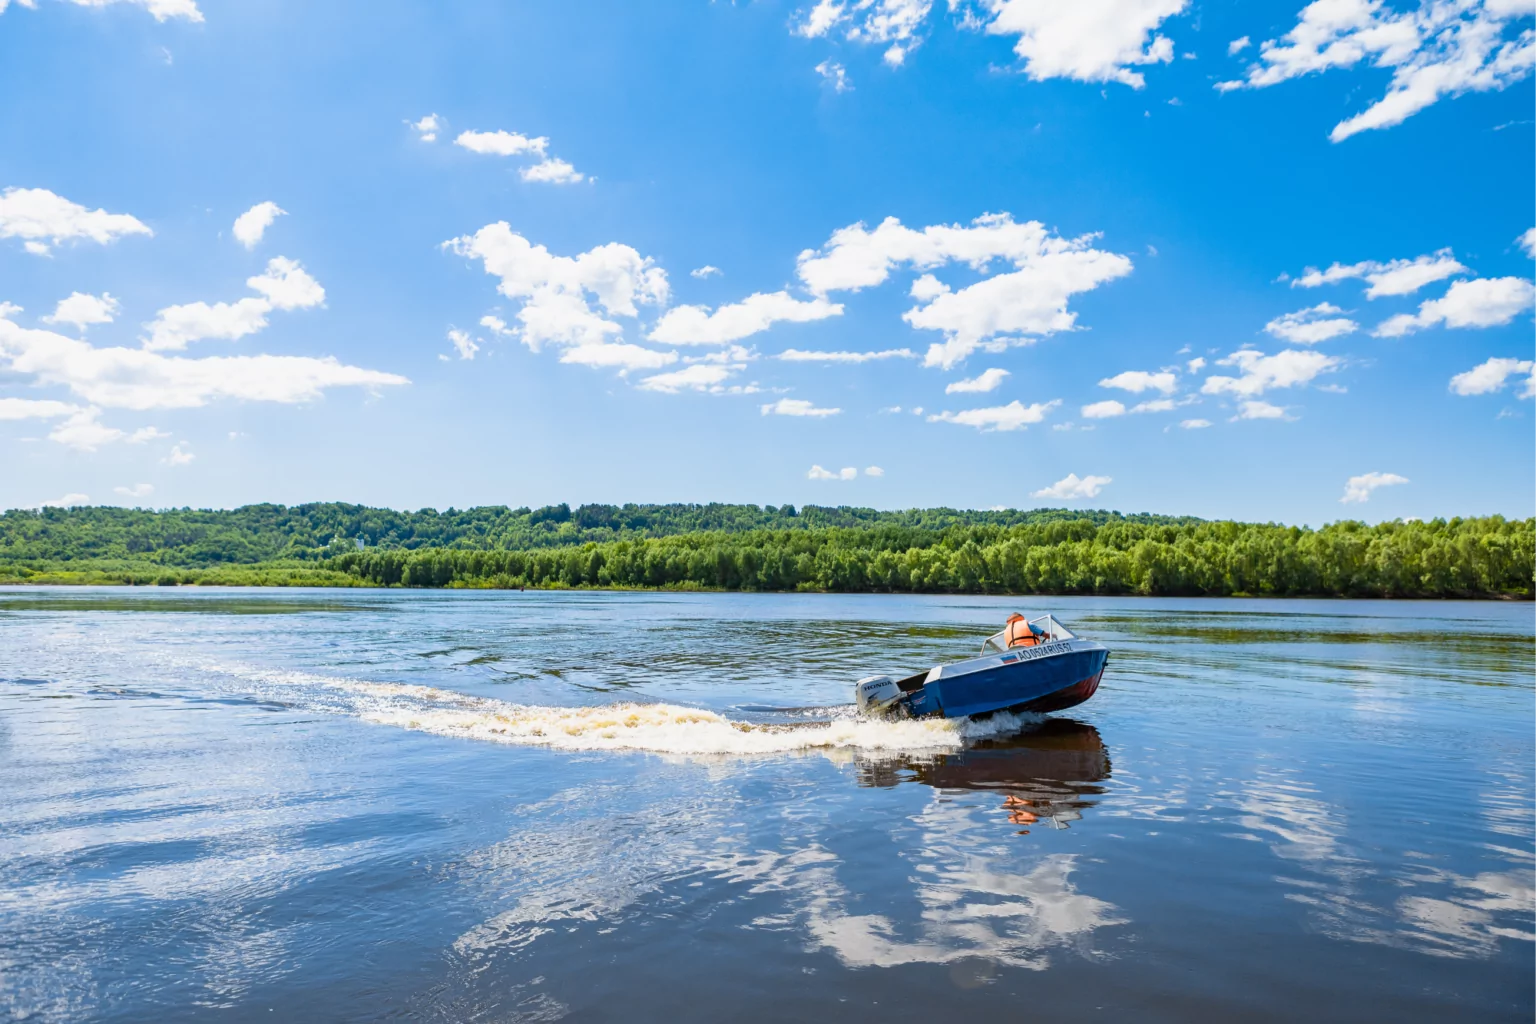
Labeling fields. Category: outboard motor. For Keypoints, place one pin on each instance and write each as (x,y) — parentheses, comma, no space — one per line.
(876,695)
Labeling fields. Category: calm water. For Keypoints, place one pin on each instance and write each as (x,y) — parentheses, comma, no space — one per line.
(281,805)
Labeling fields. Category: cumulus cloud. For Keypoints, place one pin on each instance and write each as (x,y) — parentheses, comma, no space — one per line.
(1013,416)
(1006,308)
(253,223)
(705,271)
(710,377)
(873,471)
(890,23)
(795,355)
(1482,302)
(796,407)
(34,409)
(42,220)
(136,491)
(696,325)
(463,344)
(1196,424)
(81,310)
(1238,45)
(549,169)
(1154,405)
(835,74)
(1493,375)
(427,128)
(1258,409)
(178,456)
(1088,41)
(1137,381)
(1357,489)
(1103,410)
(67,501)
(160,10)
(1260,372)
(1071,487)
(84,431)
(284,285)
(1442,48)
(846,473)
(126,378)
(987,380)
(1527,241)
(1311,325)
(1196,364)
(569,302)
(1396,277)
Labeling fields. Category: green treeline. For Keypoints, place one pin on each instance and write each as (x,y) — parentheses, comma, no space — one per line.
(747,547)
(1460,558)
(201,538)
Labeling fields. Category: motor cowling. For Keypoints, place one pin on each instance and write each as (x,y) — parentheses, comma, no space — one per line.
(876,694)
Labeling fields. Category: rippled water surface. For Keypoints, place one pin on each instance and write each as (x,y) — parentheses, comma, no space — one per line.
(286,805)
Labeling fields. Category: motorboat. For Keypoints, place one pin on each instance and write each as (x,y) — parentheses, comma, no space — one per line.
(1034,665)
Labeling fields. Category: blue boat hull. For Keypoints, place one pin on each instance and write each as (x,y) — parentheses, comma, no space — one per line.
(1039,685)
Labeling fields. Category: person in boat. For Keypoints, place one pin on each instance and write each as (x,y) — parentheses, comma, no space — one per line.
(1019,633)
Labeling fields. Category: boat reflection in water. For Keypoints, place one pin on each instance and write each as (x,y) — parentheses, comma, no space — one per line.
(1047,775)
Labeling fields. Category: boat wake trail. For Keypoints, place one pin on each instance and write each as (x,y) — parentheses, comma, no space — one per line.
(628,725)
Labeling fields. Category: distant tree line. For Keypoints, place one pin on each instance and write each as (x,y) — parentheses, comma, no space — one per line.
(747,547)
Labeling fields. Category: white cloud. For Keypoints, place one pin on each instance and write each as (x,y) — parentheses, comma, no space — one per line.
(1154,405)
(1311,325)
(1196,364)
(1491,376)
(84,431)
(1103,410)
(1007,308)
(873,471)
(284,285)
(82,310)
(1137,381)
(175,326)
(1258,409)
(1071,488)
(561,295)
(68,501)
(427,128)
(136,491)
(1238,45)
(1261,372)
(146,434)
(126,378)
(709,377)
(33,409)
(621,356)
(1527,241)
(1194,424)
(178,456)
(705,271)
(796,407)
(501,143)
(552,170)
(496,325)
(795,355)
(987,380)
(253,223)
(893,23)
(160,10)
(1357,490)
(1088,41)
(696,325)
(835,74)
(1444,48)
(465,345)
(1482,302)
(1396,277)
(846,473)
(1013,416)
(41,219)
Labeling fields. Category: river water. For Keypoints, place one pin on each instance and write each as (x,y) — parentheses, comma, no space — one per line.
(363,805)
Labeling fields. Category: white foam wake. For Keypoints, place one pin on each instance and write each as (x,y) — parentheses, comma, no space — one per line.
(656,728)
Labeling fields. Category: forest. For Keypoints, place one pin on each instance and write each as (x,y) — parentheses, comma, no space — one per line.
(753,548)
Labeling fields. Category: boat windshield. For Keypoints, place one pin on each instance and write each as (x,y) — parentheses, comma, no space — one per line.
(1046,627)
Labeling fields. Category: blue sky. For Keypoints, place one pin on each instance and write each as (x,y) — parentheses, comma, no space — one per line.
(1242,260)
